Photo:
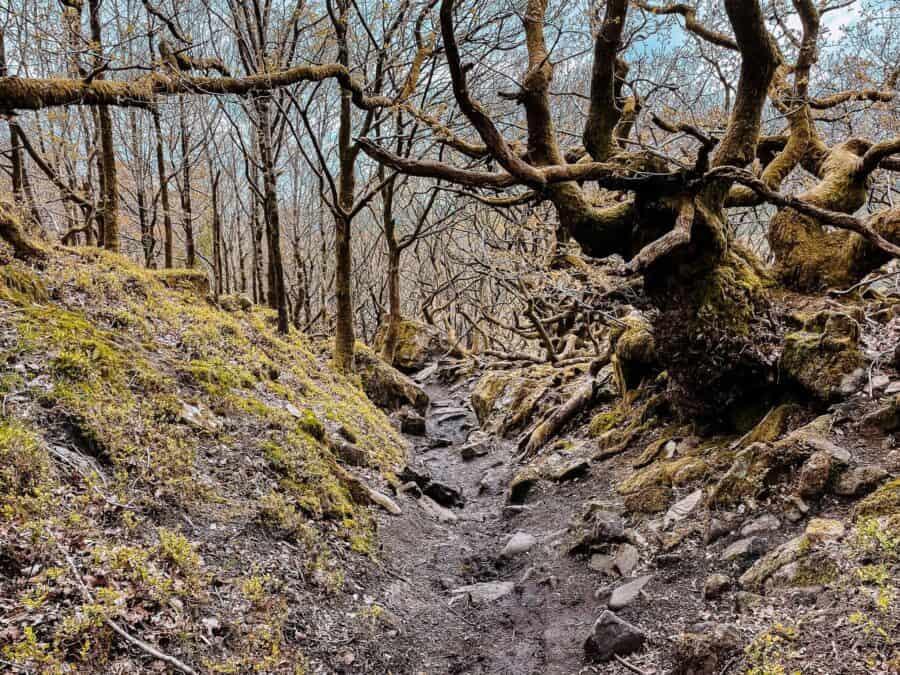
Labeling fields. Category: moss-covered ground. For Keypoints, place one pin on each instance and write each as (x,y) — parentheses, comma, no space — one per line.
(165,465)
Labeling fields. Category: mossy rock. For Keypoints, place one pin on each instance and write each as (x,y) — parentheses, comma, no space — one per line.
(236,302)
(651,499)
(774,424)
(755,469)
(522,484)
(786,554)
(651,452)
(634,352)
(885,501)
(505,401)
(417,345)
(824,358)
(386,386)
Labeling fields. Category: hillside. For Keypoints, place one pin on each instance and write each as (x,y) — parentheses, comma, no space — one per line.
(173,467)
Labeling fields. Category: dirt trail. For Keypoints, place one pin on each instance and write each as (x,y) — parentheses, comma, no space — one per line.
(537,627)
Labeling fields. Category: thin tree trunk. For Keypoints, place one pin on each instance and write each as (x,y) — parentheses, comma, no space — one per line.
(343,262)
(168,245)
(217,236)
(107,147)
(277,290)
(187,216)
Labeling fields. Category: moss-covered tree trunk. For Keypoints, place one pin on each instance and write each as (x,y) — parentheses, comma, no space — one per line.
(110,183)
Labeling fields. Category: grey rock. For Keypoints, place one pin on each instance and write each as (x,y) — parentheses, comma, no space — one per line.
(715,585)
(447,414)
(410,488)
(598,527)
(411,422)
(717,529)
(199,418)
(749,547)
(492,482)
(569,470)
(628,593)
(605,564)
(682,508)
(860,480)
(626,559)
(814,474)
(489,591)
(820,444)
(611,636)
(436,511)
(785,554)
(765,523)
(520,542)
(892,388)
(477,445)
(385,502)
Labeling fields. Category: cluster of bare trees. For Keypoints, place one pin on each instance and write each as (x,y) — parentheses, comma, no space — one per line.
(350,162)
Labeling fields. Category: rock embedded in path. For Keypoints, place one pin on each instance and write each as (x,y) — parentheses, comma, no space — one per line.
(411,422)
(611,636)
(715,585)
(445,495)
(436,511)
(628,593)
(598,526)
(761,525)
(860,481)
(682,508)
(814,474)
(520,542)
(477,445)
(749,547)
(626,559)
(605,564)
(489,591)
(385,502)
(568,470)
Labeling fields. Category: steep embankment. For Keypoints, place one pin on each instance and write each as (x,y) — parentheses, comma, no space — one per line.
(178,472)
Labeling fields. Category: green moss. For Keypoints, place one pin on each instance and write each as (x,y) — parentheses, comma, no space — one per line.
(885,501)
(651,499)
(310,424)
(823,354)
(20,285)
(25,470)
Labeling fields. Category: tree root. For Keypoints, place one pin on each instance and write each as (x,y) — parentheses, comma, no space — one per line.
(583,396)
(12,233)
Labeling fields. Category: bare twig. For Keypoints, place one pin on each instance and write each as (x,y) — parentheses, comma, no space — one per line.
(137,642)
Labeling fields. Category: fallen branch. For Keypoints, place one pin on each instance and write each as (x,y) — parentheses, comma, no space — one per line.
(137,642)
(582,397)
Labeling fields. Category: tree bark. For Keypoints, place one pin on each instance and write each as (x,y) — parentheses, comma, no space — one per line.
(110,184)
(187,216)
(277,290)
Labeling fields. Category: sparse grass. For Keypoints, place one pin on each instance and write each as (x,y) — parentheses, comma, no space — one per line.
(120,353)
